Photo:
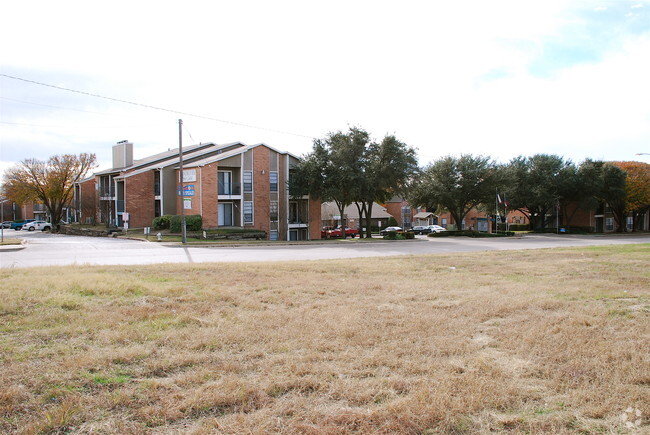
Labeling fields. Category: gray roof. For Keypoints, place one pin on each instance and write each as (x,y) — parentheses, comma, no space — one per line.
(329,209)
(175,160)
(225,155)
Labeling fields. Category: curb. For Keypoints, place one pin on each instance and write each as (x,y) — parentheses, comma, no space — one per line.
(10,248)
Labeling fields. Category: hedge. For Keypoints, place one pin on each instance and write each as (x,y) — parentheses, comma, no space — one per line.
(193,222)
(469,233)
(161,222)
(393,235)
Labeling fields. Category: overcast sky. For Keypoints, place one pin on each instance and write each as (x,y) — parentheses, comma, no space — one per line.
(499,78)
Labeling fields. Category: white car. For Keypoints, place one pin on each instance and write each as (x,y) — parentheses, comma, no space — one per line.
(436,228)
(37,225)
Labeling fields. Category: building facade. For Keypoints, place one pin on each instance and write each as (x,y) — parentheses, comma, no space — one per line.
(230,186)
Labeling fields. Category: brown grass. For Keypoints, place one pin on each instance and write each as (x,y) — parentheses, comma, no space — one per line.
(546,341)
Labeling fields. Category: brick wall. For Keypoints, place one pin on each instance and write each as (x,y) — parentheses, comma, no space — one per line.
(209,194)
(139,199)
(261,188)
(314,218)
(88,201)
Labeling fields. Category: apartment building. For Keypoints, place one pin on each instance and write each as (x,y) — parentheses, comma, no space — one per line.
(231,185)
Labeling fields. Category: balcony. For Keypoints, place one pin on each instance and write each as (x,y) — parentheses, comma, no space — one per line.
(229,189)
(106,192)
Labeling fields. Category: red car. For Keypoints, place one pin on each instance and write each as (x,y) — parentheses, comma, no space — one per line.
(331,232)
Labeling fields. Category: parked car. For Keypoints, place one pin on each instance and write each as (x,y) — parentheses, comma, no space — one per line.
(436,229)
(390,230)
(6,224)
(331,232)
(18,225)
(421,229)
(37,225)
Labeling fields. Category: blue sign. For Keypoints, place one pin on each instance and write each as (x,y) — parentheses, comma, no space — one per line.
(187,190)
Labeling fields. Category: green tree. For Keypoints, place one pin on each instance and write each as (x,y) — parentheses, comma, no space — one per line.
(347,167)
(613,193)
(458,184)
(387,169)
(51,182)
(333,171)
(536,185)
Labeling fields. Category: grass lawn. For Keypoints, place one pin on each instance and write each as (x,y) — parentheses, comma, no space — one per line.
(9,241)
(539,341)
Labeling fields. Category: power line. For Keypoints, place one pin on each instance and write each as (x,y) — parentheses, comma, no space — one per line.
(49,105)
(147,106)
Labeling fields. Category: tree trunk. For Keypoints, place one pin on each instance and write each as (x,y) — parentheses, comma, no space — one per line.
(341,208)
(360,210)
(368,212)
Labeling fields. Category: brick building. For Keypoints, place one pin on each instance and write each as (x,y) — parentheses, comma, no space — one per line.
(231,185)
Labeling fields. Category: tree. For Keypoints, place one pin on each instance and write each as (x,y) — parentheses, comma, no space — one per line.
(456,184)
(637,189)
(51,182)
(349,168)
(613,193)
(387,169)
(332,171)
(537,184)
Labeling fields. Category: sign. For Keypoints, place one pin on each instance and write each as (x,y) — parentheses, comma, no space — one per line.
(189,175)
(187,203)
(187,190)
(125,217)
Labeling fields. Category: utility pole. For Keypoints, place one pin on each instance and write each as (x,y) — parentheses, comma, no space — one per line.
(180,155)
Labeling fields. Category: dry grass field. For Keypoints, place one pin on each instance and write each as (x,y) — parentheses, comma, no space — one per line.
(543,341)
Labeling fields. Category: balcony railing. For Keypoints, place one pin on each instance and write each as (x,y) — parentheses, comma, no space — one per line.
(229,189)
(106,192)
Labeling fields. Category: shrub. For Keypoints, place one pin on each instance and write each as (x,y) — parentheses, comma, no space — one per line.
(161,222)
(393,235)
(518,227)
(193,222)
(392,222)
(469,233)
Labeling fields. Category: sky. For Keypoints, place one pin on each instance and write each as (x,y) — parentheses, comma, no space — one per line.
(498,78)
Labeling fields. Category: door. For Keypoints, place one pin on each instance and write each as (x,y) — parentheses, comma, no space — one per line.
(225,212)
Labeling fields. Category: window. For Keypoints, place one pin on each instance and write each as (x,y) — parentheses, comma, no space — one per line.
(273,179)
(248,212)
(225,214)
(630,223)
(609,224)
(225,182)
(273,235)
(248,181)
(156,183)
(273,211)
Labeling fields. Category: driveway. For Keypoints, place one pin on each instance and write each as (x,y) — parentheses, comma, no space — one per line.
(45,249)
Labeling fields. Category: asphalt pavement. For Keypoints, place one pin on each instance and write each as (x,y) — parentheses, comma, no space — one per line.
(45,249)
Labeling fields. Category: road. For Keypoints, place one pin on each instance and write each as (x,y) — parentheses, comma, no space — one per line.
(45,249)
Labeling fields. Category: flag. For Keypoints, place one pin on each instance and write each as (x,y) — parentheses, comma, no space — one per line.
(498,199)
(505,201)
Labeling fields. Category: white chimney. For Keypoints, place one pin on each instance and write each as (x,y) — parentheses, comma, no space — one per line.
(122,154)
